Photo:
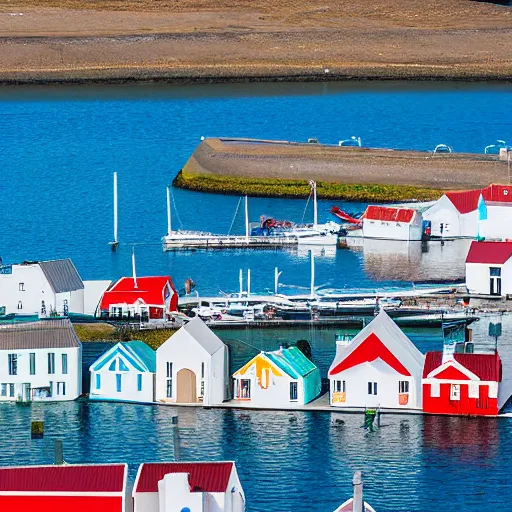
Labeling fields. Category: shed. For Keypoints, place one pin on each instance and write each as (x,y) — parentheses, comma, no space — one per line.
(392,223)
(379,367)
(281,378)
(193,486)
(80,488)
(192,366)
(461,384)
(125,372)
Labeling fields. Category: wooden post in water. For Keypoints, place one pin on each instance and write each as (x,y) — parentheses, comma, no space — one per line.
(357,483)
(58,452)
(176,438)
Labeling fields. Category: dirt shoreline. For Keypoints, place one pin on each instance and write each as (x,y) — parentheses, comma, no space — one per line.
(67,41)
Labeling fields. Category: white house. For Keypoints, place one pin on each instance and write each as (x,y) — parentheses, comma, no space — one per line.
(379,367)
(125,372)
(283,378)
(188,487)
(41,288)
(192,366)
(456,214)
(489,268)
(392,223)
(40,361)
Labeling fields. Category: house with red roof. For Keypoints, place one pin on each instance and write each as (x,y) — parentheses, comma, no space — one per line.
(455,214)
(80,488)
(146,299)
(392,223)
(379,367)
(188,486)
(461,384)
(489,268)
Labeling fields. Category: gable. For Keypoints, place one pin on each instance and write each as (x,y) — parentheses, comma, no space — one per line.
(260,363)
(368,351)
(452,373)
(118,358)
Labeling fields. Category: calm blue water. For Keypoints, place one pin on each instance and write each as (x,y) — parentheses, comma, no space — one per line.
(59,147)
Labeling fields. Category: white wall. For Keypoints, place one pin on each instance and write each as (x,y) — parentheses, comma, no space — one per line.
(386,229)
(183,351)
(444,212)
(129,389)
(73,378)
(145,501)
(478,277)
(498,223)
(356,382)
(93,292)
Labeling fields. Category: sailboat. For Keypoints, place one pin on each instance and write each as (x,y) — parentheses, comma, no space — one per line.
(114,244)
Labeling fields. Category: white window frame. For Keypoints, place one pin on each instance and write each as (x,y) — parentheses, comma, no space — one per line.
(455,392)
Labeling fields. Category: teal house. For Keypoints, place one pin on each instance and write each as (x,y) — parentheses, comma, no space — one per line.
(125,372)
(279,379)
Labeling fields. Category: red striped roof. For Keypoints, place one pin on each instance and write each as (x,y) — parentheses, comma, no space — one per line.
(150,290)
(496,253)
(389,214)
(203,476)
(467,200)
(68,478)
(486,367)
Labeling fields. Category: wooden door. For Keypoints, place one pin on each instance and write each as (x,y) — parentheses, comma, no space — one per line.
(187,391)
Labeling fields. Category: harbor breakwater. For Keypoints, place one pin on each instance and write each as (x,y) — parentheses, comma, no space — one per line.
(283,169)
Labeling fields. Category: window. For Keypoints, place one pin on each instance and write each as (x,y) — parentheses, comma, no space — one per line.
(455,392)
(122,366)
(11,390)
(202,380)
(202,370)
(21,287)
(98,381)
(20,304)
(13,364)
(118,382)
(169,380)
(139,382)
(245,388)
(32,363)
(293,391)
(112,367)
(64,364)
(495,271)
(61,388)
(51,363)
(403,386)
(3,390)
(372,388)
(340,386)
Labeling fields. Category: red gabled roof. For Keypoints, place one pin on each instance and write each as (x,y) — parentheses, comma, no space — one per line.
(87,478)
(149,289)
(369,350)
(467,200)
(496,253)
(389,214)
(203,476)
(486,367)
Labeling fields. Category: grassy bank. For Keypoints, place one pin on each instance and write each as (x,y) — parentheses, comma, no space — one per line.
(271,187)
(107,332)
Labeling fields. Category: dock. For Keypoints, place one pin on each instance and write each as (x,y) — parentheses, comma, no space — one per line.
(230,242)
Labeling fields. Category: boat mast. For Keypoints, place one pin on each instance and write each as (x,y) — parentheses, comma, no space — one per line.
(134,272)
(276,280)
(312,284)
(241,281)
(248,282)
(169,223)
(312,184)
(115,242)
(246,217)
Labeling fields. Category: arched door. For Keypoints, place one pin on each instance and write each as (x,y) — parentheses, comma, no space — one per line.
(187,393)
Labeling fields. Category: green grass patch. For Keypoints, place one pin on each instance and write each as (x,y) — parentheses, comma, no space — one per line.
(272,187)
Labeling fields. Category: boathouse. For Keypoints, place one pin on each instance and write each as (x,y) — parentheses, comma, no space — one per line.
(379,367)
(282,378)
(468,213)
(41,288)
(489,268)
(145,299)
(188,486)
(40,361)
(392,223)
(192,366)
(125,372)
(461,384)
(70,487)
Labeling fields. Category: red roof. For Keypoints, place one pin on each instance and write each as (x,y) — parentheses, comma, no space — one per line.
(496,253)
(369,350)
(203,476)
(389,214)
(88,478)
(467,200)
(486,367)
(150,290)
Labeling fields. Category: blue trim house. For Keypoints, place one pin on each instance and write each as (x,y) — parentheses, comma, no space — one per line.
(125,372)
